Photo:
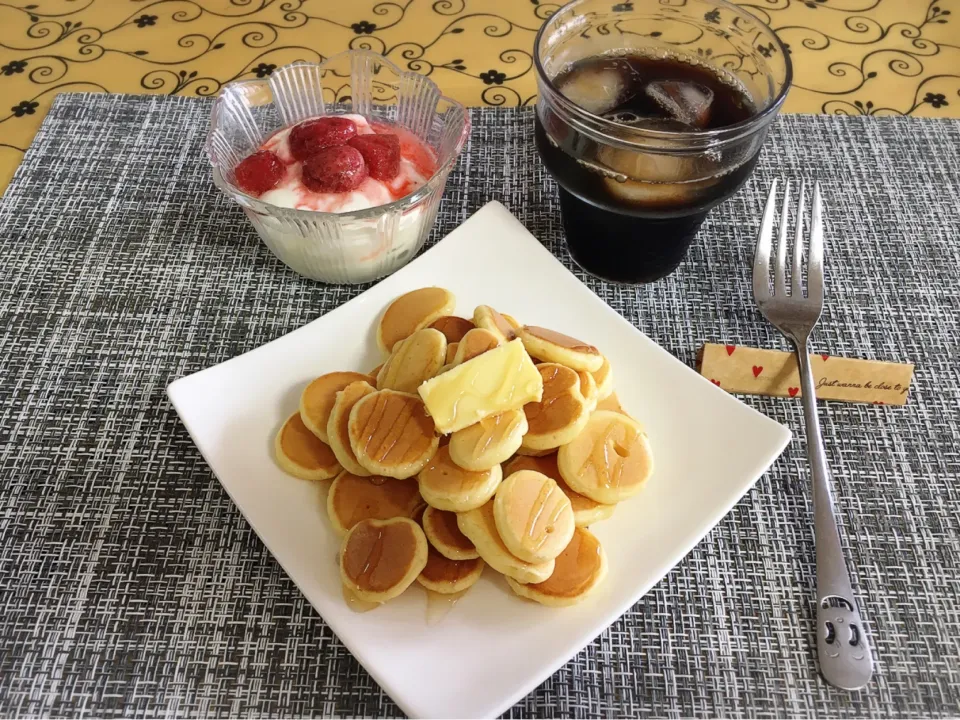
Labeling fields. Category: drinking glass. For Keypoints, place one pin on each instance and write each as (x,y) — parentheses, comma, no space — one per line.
(633,196)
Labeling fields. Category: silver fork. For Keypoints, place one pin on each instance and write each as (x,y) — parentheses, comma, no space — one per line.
(845,659)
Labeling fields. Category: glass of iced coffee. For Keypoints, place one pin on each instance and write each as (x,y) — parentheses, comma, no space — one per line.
(650,113)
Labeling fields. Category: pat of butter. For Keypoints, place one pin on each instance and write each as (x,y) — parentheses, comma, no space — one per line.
(501,379)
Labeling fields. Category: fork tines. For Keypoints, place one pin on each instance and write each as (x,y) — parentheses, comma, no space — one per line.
(814,269)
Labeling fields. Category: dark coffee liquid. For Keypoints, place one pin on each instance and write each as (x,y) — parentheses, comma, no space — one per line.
(630,218)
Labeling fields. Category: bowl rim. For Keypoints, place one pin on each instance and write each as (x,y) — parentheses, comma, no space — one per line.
(698,139)
(265,208)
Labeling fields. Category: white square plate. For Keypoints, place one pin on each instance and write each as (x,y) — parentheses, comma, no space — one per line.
(493,648)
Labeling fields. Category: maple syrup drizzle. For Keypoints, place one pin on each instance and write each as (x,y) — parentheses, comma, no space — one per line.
(439,605)
(355,603)
(389,438)
(489,427)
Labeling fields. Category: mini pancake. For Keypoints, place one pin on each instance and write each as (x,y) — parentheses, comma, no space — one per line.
(586,512)
(604,380)
(525,451)
(379,559)
(579,569)
(352,499)
(391,434)
(503,326)
(609,461)
(551,346)
(410,312)
(489,442)
(302,454)
(533,516)
(447,486)
(444,534)
(415,359)
(339,423)
(588,389)
(318,397)
(479,525)
(476,342)
(446,576)
(453,327)
(451,354)
(611,403)
(561,413)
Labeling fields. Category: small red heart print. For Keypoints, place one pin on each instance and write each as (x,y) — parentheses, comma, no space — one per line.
(825,357)
(715,382)
(757,369)
(793,391)
(730,349)
(879,402)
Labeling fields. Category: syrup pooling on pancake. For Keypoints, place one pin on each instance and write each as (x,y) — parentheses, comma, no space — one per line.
(380,559)
(609,461)
(533,516)
(577,570)
(489,442)
(302,454)
(352,499)
(391,434)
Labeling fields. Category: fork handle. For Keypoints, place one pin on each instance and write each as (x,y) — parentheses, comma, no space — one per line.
(842,646)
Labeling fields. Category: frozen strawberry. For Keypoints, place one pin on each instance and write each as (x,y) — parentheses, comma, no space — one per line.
(334,169)
(312,135)
(381,153)
(259,172)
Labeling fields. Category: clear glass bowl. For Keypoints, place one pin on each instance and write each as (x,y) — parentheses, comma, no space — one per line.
(352,247)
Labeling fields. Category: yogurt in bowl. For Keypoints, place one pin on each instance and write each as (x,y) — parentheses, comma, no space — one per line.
(337,196)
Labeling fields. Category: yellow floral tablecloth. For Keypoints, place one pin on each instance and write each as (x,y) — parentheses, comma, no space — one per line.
(872,57)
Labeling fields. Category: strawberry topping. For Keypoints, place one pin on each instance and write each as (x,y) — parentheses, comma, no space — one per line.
(312,135)
(381,153)
(259,172)
(334,169)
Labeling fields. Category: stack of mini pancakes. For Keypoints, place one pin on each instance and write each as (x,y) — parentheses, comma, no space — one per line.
(515,491)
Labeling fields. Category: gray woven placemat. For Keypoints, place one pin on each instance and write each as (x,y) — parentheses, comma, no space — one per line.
(132,586)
